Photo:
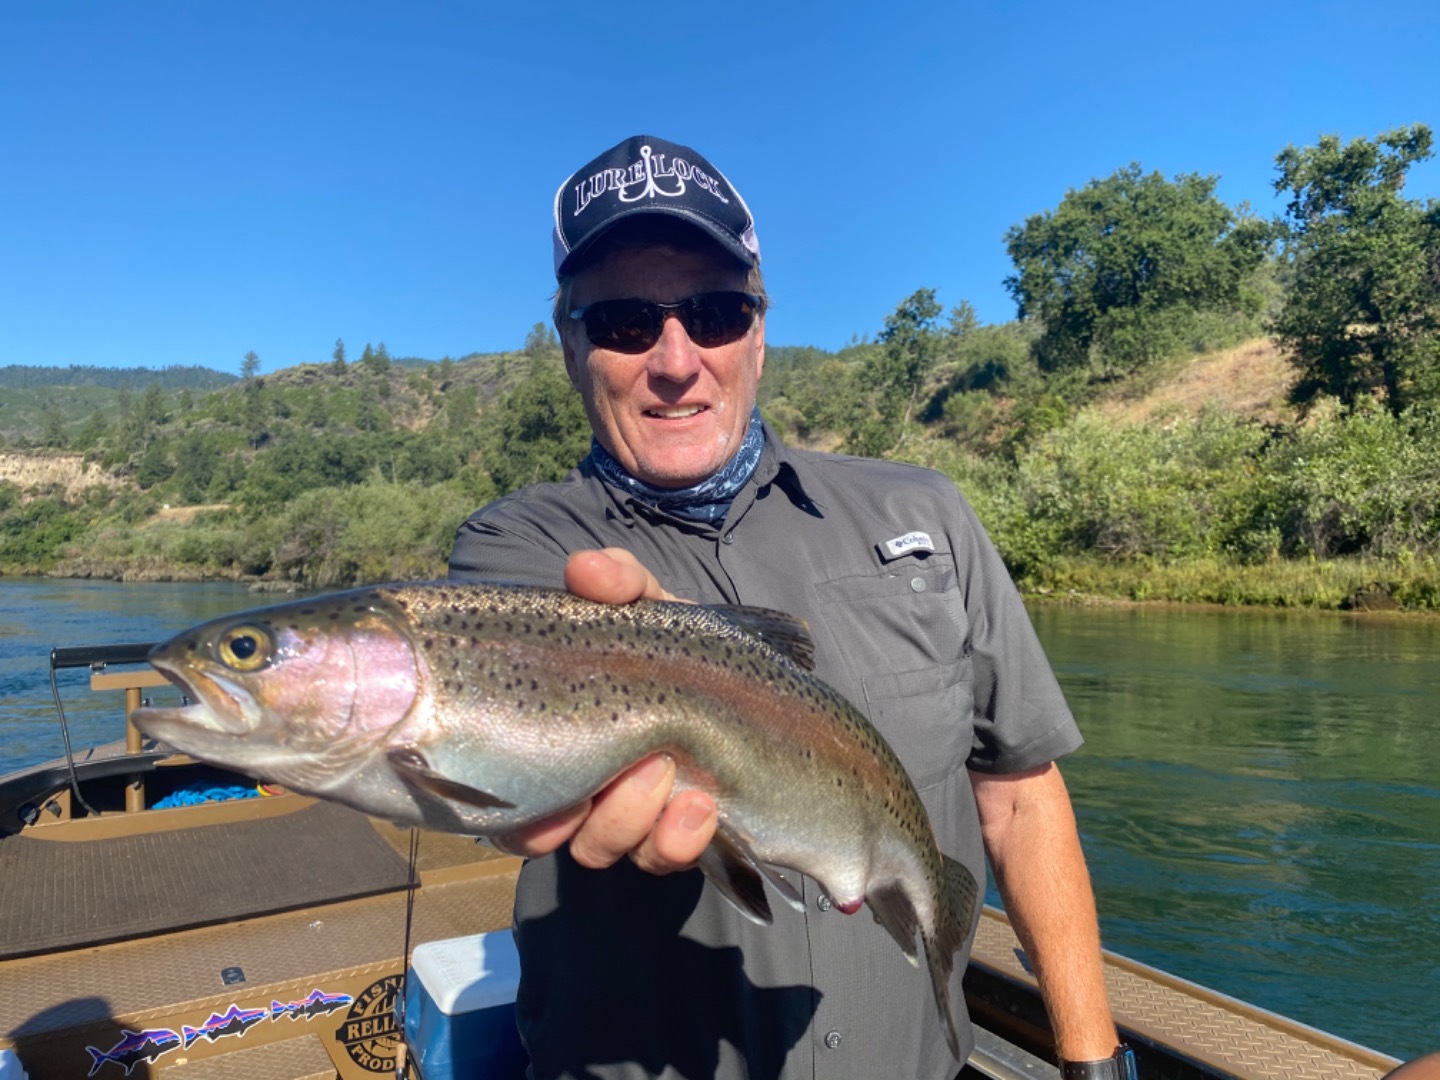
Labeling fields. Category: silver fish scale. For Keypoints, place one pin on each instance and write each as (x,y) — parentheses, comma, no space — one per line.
(456,615)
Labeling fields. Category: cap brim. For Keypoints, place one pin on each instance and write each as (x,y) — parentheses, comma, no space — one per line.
(566,261)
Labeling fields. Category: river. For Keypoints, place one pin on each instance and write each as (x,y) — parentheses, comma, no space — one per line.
(1258,791)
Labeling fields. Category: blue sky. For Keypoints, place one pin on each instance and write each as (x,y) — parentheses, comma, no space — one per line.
(183,182)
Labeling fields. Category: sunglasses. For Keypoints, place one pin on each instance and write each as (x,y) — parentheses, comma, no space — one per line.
(634,326)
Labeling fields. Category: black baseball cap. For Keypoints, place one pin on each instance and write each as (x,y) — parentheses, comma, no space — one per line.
(648,175)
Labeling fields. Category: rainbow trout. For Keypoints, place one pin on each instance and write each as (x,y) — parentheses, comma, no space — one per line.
(479,709)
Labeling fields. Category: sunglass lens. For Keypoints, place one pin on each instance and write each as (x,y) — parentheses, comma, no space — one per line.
(718,318)
(634,325)
(622,325)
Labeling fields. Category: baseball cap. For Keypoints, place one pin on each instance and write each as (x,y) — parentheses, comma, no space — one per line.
(648,175)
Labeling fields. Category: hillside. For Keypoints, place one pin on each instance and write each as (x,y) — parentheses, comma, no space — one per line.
(67,473)
(1190,479)
(43,405)
(1251,380)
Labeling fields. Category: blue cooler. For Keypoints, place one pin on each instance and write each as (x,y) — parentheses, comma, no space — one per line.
(460,1009)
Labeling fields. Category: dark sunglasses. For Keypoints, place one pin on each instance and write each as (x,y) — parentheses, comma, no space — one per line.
(634,325)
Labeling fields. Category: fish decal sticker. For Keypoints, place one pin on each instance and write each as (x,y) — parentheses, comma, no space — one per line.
(318,1003)
(133,1048)
(233,1021)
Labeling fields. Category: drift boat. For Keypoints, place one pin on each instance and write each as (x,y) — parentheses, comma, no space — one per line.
(149,931)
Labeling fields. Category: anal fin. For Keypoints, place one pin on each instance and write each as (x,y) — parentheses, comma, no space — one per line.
(892,910)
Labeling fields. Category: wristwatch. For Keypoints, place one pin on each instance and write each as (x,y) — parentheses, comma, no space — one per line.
(1118,1066)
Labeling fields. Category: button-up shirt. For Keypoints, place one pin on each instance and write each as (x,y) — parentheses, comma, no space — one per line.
(916,621)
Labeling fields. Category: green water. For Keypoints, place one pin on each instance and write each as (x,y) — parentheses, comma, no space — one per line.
(1258,792)
(1259,802)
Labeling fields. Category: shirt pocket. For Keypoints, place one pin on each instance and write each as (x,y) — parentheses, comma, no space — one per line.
(925,716)
(899,639)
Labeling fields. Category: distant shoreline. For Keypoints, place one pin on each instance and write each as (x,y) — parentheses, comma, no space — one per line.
(1371,598)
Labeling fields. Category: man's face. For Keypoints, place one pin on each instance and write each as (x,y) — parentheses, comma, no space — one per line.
(675,414)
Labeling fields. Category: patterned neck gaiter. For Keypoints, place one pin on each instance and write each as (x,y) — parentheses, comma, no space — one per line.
(709,500)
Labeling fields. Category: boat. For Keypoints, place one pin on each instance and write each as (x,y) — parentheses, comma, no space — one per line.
(160,917)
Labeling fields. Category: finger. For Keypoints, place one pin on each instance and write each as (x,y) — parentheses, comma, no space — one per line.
(651,588)
(685,829)
(624,813)
(611,576)
(544,836)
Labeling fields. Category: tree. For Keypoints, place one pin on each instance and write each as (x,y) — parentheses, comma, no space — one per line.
(152,407)
(381,359)
(541,340)
(1363,315)
(256,409)
(538,430)
(1120,270)
(54,434)
(895,374)
(337,358)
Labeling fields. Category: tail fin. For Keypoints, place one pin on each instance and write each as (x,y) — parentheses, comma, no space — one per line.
(959,896)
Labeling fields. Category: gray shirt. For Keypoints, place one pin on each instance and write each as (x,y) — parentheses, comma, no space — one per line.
(916,621)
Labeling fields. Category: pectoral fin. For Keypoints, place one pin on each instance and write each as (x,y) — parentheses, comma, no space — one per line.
(414,769)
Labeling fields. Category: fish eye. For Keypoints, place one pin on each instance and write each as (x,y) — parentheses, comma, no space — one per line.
(244,648)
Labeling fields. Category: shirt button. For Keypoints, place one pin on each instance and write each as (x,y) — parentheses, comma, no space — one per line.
(832,1039)
(917,584)
(823,903)
(728,538)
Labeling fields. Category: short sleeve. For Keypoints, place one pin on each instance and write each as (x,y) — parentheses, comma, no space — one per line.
(1021,719)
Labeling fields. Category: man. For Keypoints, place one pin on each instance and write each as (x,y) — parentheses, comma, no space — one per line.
(632,964)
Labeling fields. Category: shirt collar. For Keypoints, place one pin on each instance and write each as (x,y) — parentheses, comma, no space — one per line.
(779,465)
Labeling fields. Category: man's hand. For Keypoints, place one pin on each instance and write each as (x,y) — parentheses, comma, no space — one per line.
(635,815)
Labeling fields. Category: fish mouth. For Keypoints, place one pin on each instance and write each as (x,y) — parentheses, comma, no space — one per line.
(215,704)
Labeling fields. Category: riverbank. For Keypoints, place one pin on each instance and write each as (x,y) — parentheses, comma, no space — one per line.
(1357,584)
(1345,585)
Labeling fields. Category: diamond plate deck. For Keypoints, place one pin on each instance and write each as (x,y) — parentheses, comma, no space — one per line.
(1249,1043)
(294,1059)
(57,894)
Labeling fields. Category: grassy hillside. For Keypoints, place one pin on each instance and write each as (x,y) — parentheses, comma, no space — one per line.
(1192,479)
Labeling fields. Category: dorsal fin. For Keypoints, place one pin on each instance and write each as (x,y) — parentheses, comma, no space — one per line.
(783,633)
